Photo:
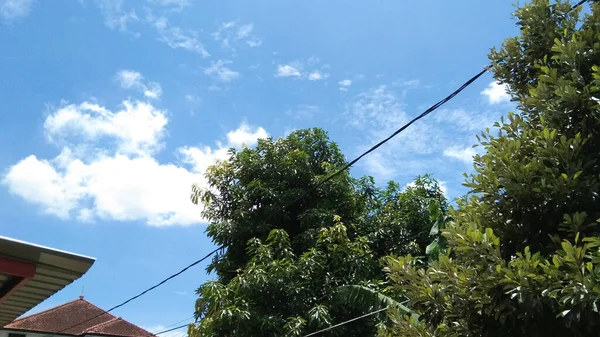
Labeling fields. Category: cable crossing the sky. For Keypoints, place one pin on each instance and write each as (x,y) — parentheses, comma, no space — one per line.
(321,183)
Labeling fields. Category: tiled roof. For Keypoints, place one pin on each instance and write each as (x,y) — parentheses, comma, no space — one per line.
(118,327)
(69,314)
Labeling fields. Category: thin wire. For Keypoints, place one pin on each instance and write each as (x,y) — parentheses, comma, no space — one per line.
(145,291)
(169,330)
(185,319)
(347,166)
(578,4)
(376,146)
(346,322)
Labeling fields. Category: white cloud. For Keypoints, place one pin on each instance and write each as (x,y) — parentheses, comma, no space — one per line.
(376,114)
(294,69)
(466,120)
(107,167)
(11,10)
(345,83)
(444,187)
(377,165)
(176,37)
(244,136)
(192,98)
(317,75)
(136,129)
(130,79)
(254,42)
(229,33)
(38,182)
(219,71)
(244,31)
(463,154)
(286,70)
(115,15)
(496,93)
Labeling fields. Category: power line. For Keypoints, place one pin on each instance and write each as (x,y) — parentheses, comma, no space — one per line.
(579,4)
(145,291)
(425,113)
(340,171)
(346,322)
(169,330)
(185,319)
(376,146)
(347,166)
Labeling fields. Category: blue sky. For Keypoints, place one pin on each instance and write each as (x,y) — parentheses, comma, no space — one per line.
(111,109)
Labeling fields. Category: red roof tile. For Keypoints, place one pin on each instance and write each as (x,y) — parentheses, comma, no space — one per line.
(69,314)
(118,327)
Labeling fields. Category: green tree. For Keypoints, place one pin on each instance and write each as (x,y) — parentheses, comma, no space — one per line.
(291,268)
(524,246)
(398,220)
(279,293)
(256,190)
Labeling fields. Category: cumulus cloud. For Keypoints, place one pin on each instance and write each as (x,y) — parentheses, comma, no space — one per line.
(244,136)
(295,69)
(219,71)
(107,166)
(287,70)
(317,75)
(136,128)
(496,93)
(344,84)
(463,154)
(11,10)
(130,79)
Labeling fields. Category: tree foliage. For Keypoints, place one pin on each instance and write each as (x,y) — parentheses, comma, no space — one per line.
(279,293)
(403,215)
(247,194)
(292,266)
(523,254)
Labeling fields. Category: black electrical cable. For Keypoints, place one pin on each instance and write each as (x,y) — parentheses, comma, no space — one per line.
(169,330)
(143,292)
(347,166)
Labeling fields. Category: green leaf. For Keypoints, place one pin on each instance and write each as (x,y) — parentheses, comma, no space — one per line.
(367,298)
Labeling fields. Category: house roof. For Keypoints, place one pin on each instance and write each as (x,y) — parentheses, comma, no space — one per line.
(30,273)
(73,313)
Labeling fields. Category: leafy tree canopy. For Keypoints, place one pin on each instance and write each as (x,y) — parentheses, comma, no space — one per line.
(293,266)
(523,254)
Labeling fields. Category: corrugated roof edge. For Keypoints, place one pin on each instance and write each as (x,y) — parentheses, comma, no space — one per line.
(91,259)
